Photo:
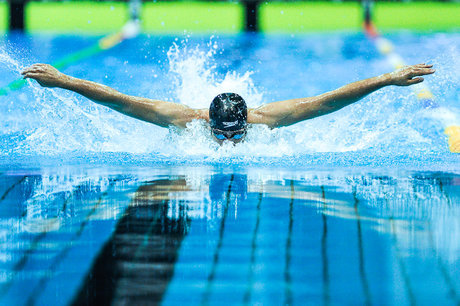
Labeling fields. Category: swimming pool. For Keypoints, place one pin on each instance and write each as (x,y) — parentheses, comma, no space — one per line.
(360,206)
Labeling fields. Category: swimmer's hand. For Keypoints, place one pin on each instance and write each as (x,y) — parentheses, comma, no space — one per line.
(410,75)
(46,75)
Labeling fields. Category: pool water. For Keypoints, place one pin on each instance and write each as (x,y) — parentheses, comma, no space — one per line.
(202,235)
(357,207)
(386,128)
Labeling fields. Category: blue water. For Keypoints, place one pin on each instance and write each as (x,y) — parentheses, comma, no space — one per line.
(387,128)
(357,207)
(202,235)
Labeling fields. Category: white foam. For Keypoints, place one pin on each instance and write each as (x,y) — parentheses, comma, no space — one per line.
(53,121)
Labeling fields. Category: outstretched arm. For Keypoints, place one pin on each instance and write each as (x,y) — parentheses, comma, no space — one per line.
(289,112)
(157,112)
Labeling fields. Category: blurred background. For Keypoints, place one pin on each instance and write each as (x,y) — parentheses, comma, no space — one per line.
(227,16)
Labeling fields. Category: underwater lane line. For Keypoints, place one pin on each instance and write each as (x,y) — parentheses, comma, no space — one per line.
(5,194)
(324,256)
(362,270)
(445,193)
(215,262)
(247,294)
(287,265)
(130,30)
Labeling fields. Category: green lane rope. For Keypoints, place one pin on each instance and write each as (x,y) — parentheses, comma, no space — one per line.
(130,30)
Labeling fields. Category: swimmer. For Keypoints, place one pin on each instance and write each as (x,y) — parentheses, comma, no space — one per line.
(228,115)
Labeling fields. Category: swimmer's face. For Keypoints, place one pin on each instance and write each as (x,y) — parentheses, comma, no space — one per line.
(233,136)
(228,116)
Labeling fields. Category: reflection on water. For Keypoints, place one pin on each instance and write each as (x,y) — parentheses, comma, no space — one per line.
(206,236)
(137,263)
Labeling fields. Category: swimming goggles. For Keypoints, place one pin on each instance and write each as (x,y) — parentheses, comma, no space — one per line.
(222,135)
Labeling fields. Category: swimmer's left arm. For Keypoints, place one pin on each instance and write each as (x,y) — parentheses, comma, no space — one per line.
(283,113)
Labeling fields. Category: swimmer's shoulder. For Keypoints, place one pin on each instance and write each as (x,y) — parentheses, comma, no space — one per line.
(256,116)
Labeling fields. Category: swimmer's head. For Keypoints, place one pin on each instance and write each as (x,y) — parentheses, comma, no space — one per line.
(228,116)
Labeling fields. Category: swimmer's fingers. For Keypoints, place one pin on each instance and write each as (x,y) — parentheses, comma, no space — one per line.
(415,81)
(34,76)
(410,75)
(33,70)
(46,75)
(39,68)
(30,69)
(37,76)
(31,75)
(423,66)
(421,71)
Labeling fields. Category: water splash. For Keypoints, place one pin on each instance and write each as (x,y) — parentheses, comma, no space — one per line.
(390,121)
(6,59)
(196,79)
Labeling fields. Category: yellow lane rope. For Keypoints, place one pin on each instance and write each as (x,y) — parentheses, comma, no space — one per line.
(421,90)
(453,132)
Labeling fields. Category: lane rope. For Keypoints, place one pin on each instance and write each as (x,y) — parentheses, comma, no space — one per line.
(130,30)
(421,90)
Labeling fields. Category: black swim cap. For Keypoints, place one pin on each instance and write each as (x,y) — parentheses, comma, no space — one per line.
(228,112)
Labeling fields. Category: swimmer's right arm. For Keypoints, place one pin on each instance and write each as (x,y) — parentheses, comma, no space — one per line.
(161,113)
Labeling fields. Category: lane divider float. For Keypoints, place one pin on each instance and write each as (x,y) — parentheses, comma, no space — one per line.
(421,90)
(130,30)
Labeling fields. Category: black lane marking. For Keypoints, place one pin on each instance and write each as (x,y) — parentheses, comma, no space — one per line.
(127,271)
(362,270)
(287,265)
(5,194)
(247,294)
(148,233)
(443,191)
(325,260)
(215,261)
